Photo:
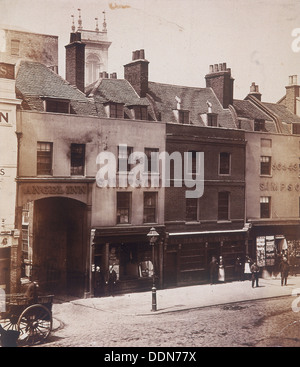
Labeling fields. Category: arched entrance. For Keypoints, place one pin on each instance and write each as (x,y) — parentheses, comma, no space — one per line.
(60,244)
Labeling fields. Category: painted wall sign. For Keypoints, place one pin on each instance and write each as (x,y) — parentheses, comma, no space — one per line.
(54,190)
(7,71)
(4,117)
(275,186)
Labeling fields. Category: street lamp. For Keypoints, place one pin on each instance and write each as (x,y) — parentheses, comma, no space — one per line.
(153,235)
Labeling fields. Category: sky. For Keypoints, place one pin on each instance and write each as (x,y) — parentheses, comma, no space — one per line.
(181,38)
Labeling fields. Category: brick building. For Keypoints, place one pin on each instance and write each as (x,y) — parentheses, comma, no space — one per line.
(75,230)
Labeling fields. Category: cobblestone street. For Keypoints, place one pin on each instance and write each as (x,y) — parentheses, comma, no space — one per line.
(268,322)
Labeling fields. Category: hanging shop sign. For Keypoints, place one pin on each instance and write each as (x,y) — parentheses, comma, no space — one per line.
(265,251)
(261,251)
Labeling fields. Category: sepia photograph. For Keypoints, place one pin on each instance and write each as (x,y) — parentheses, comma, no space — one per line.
(149,176)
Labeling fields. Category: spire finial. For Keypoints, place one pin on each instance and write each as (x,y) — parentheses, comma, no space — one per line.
(79,21)
(104,23)
(73,24)
(97,26)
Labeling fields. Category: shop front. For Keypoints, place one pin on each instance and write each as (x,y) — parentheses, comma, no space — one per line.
(122,260)
(270,243)
(187,255)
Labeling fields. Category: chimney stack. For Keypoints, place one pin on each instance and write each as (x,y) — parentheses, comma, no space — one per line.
(136,72)
(254,91)
(220,80)
(292,93)
(75,61)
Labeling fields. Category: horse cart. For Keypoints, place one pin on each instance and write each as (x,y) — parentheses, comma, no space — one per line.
(28,321)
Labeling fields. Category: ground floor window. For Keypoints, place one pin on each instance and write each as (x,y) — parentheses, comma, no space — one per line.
(135,261)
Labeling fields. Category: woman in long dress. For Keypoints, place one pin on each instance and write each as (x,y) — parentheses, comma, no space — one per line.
(221,276)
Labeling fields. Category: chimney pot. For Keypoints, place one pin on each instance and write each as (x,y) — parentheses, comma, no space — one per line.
(216,68)
(142,54)
(211,68)
(294,79)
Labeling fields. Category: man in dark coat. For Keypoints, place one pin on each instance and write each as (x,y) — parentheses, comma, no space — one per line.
(255,273)
(213,270)
(284,269)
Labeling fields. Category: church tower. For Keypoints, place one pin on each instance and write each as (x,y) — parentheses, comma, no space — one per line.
(96,49)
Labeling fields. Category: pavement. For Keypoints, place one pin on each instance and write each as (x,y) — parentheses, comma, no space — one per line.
(191,297)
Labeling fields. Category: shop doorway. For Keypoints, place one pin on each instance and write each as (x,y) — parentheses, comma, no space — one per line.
(59,250)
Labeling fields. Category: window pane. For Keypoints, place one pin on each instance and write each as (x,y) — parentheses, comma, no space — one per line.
(123,155)
(77,159)
(224,164)
(265,165)
(223,206)
(191,210)
(123,207)
(57,106)
(184,117)
(44,158)
(152,159)
(265,206)
(150,200)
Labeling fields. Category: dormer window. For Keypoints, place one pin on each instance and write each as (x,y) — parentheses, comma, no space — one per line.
(15,48)
(212,119)
(140,112)
(57,105)
(116,110)
(259,125)
(184,117)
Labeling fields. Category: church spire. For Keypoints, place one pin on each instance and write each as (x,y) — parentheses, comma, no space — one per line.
(79,21)
(104,25)
(97,26)
(73,24)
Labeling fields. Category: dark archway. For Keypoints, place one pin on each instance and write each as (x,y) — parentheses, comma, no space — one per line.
(60,245)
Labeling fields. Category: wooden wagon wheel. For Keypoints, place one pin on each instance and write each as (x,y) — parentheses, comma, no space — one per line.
(10,322)
(34,324)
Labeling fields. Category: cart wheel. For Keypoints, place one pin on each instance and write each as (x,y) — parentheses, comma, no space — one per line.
(9,323)
(34,324)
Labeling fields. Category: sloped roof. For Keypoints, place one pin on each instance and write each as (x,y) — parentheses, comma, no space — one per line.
(35,82)
(247,109)
(192,99)
(117,91)
(284,114)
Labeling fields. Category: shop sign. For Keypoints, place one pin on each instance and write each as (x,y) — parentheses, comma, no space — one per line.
(54,190)
(270,251)
(260,251)
(275,186)
(265,251)
(7,71)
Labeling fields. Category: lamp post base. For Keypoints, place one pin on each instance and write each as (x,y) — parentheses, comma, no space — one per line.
(154,305)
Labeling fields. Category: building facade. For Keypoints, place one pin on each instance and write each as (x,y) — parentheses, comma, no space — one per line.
(95,167)
(9,233)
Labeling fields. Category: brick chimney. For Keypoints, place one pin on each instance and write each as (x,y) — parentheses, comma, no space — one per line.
(75,61)
(136,72)
(220,80)
(292,93)
(254,91)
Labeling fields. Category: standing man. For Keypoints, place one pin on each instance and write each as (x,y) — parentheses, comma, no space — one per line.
(284,269)
(255,273)
(213,270)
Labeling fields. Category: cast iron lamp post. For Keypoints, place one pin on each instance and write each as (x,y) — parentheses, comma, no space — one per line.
(153,235)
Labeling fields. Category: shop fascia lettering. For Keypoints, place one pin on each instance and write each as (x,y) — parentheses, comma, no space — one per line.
(273,186)
(54,190)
